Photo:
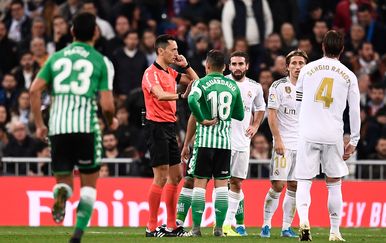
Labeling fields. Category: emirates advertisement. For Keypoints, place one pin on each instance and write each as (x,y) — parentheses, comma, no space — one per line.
(122,202)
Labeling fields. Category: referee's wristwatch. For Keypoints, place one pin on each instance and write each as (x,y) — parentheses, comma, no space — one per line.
(180,96)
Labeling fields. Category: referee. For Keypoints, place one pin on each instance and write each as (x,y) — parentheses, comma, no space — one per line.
(159,85)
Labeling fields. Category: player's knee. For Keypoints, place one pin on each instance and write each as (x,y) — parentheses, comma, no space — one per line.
(292,186)
(189,183)
(277,186)
(235,184)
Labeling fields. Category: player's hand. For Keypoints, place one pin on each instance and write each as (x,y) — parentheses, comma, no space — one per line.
(114,125)
(251,131)
(349,149)
(41,132)
(209,122)
(185,154)
(181,61)
(279,147)
(187,91)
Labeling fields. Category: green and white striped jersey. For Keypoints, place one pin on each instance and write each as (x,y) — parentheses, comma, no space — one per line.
(215,96)
(75,75)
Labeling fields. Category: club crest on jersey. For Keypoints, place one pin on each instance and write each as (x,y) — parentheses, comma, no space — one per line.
(249,94)
(288,89)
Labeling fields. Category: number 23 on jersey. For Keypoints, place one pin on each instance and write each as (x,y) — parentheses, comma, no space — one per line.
(65,66)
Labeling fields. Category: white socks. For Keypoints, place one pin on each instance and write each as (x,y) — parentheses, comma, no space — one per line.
(335,203)
(303,200)
(233,204)
(289,208)
(270,205)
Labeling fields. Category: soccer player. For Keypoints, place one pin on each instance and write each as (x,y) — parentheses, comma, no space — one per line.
(159,85)
(213,97)
(241,134)
(253,99)
(283,122)
(324,88)
(74,76)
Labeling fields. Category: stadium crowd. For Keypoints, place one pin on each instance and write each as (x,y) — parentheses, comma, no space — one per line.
(31,30)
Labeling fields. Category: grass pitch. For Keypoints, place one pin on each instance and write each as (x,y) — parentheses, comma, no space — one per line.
(114,235)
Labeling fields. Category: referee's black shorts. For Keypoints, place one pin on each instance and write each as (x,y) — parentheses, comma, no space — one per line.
(162,143)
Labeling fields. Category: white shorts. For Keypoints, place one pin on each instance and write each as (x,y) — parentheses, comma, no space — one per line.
(239,164)
(282,166)
(311,155)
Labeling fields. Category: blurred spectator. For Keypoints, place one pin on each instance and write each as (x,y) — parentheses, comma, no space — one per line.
(5,117)
(26,71)
(356,37)
(122,26)
(260,150)
(110,150)
(284,11)
(279,69)
(138,17)
(104,26)
(197,10)
(240,44)
(69,9)
(135,168)
(376,170)
(128,134)
(130,64)
(8,51)
(147,46)
(346,14)
(21,112)
(3,139)
(265,79)
(61,33)
(288,37)
(39,51)
(197,60)
(8,91)
(306,45)
(377,99)
(101,43)
(273,49)
(375,31)
(319,30)
(366,61)
(382,70)
(249,19)
(42,151)
(104,170)
(363,84)
(20,145)
(216,37)
(19,25)
(314,13)
(38,30)
(200,28)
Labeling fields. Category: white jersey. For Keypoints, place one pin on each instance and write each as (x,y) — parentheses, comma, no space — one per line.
(324,87)
(282,98)
(253,100)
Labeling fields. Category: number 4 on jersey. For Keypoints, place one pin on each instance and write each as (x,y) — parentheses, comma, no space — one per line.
(324,92)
